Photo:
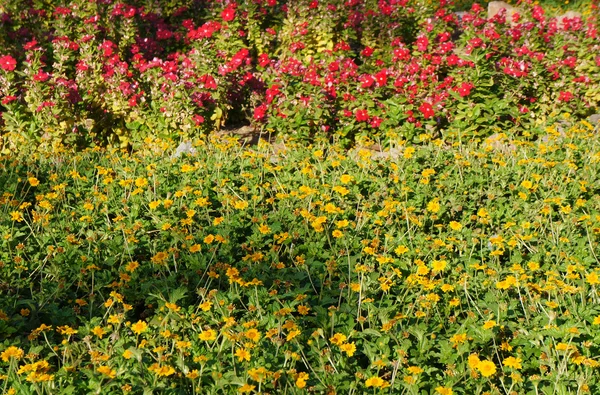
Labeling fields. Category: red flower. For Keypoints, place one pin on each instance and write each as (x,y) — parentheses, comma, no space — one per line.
(228,14)
(8,63)
(367,52)
(375,122)
(367,80)
(465,89)
(198,119)
(263,60)
(362,115)
(41,76)
(381,78)
(565,96)
(8,99)
(260,112)
(427,110)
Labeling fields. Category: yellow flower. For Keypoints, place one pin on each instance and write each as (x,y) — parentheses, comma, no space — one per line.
(98,331)
(107,371)
(376,382)
(489,324)
(527,184)
(12,352)
(164,370)
(486,368)
(438,266)
(141,182)
(258,374)
(127,354)
(433,206)
(447,288)
(415,370)
(205,306)
(264,229)
(240,205)
(455,225)
(408,152)
(444,390)
(153,205)
(337,233)
(346,179)
(246,388)
(208,335)
(195,248)
(338,339)
(596,320)
(242,354)
(401,250)
(16,216)
(186,168)
(253,334)
(458,338)
(292,334)
(473,361)
(131,266)
(139,327)
(513,362)
(592,278)
(301,380)
(348,348)
(34,182)
(341,190)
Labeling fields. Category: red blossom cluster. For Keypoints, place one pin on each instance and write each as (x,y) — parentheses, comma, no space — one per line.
(238,59)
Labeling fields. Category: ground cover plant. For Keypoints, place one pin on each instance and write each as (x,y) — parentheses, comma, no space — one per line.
(444,270)
(422,216)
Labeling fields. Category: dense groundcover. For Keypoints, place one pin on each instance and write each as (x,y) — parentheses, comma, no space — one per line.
(421,216)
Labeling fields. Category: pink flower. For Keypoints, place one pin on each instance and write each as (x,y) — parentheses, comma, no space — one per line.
(427,110)
(422,43)
(8,63)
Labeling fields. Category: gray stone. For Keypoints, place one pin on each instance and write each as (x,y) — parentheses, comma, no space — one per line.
(185,147)
(594,119)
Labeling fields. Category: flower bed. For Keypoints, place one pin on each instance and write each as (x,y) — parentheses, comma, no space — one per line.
(98,73)
(449,270)
(424,219)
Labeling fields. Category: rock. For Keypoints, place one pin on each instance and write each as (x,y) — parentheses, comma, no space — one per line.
(498,142)
(495,7)
(567,15)
(460,15)
(184,148)
(594,119)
